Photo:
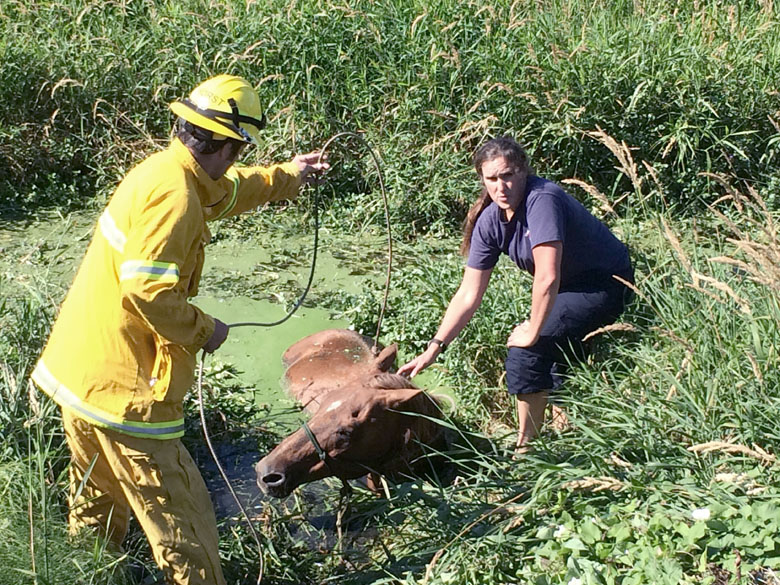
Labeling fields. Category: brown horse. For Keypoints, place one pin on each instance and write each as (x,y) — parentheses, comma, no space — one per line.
(365,420)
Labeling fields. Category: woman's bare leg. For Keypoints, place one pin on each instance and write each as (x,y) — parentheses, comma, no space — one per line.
(530,416)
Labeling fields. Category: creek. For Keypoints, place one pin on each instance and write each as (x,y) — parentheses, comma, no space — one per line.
(254,271)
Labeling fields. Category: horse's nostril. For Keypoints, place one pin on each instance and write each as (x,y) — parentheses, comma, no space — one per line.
(273,479)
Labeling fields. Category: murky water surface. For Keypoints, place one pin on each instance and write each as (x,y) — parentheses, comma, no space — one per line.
(253,277)
(255,352)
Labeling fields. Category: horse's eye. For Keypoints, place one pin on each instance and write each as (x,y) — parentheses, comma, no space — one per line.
(344,438)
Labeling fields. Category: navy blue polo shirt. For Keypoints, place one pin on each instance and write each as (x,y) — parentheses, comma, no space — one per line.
(591,253)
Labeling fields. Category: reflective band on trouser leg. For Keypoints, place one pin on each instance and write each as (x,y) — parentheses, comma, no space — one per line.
(100,504)
(172,505)
(150,270)
(64,397)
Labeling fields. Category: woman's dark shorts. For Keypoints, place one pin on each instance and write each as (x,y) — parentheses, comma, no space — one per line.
(578,310)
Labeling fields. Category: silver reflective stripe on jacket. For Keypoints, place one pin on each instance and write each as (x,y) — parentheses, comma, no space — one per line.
(111,232)
(150,270)
(67,399)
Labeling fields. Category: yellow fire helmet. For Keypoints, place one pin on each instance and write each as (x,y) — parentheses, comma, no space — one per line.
(227,106)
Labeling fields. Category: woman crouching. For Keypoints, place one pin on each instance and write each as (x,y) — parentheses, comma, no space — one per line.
(574,260)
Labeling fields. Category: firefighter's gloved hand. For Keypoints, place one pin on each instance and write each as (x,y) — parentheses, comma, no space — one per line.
(218,337)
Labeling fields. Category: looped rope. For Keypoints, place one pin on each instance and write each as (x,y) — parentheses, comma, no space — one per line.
(315,206)
(346,489)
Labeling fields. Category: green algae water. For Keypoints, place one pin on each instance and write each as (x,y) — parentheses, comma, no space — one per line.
(252,273)
(256,277)
(246,281)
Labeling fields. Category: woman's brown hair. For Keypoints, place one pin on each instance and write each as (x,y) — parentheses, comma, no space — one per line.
(514,154)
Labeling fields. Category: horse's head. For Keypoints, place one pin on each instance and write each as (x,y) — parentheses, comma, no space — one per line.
(375,425)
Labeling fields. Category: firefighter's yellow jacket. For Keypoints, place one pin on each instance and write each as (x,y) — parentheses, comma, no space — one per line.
(122,351)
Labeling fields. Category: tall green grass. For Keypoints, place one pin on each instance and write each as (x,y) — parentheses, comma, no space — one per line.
(691,86)
(668,471)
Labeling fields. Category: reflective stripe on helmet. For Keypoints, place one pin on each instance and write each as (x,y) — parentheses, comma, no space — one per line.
(65,398)
(229,121)
(111,232)
(150,270)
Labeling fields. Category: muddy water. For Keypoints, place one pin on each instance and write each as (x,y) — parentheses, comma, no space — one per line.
(245,278)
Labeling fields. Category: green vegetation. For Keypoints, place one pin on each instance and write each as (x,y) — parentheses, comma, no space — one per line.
(691,86)
(661,116)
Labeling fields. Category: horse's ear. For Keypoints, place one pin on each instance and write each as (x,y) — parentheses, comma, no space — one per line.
(386,358)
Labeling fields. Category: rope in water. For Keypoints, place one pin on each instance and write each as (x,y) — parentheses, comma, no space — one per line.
(292,311)
(224,475)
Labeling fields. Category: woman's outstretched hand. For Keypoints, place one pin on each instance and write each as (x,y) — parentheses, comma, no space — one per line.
(418,364)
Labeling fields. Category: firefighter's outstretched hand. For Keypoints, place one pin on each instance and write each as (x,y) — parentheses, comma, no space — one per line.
(310,164)
(217,338)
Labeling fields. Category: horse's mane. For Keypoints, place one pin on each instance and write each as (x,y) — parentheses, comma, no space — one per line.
(388,381)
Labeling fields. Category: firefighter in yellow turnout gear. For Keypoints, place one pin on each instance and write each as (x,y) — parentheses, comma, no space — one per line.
(122,352)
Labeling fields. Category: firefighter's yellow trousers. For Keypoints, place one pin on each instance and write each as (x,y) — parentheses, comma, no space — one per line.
(155,480)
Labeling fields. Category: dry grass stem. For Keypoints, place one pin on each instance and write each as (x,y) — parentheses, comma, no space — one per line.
(9,382)
(698,277)
(727,447)
(593,192)
(464,134)
(32,394)
(683,368)
(742,480)
(756,368)
(653,175)
(623,153)
(631,286)
(756,238)
(677,247)
(674,337)
(595,484)
(617,461)
(609,328)
(724,182)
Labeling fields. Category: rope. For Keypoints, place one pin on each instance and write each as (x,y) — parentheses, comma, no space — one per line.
(225,478)
(346,490)
(386,205)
